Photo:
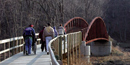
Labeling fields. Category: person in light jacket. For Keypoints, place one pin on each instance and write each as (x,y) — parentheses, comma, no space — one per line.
(61,30)
(48,34)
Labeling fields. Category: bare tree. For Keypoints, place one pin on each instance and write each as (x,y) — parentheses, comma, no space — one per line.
(17,14)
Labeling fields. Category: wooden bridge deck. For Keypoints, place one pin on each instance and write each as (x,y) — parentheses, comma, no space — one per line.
(41,58)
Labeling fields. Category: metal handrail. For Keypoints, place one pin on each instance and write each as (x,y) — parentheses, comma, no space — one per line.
(53,59)
(15,44)
(61,49)
(13,39)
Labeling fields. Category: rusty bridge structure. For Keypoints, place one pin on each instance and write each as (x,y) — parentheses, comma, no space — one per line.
(96,30)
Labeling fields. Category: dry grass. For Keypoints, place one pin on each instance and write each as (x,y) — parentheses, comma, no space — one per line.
(119,56)
(78,61)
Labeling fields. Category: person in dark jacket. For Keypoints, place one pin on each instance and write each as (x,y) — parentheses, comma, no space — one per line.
(43,42)
(29,38)
(55,32)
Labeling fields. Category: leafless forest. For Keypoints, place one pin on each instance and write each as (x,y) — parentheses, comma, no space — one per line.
(15,15)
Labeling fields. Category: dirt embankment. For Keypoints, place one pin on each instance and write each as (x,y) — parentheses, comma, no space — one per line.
(120,55)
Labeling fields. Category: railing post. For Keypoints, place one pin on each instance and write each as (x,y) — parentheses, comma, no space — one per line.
(73,48)
(38,41)
(20,42)
(9,47)
(68,50)
(23,44)
(79,42)
(75,37)
(4,53)
(16,45)
(64,43)
(12,49)
(60,48)
(70,47)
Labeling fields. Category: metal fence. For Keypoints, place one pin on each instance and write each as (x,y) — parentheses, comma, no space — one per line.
(12,46)
(65,49)
(61,48)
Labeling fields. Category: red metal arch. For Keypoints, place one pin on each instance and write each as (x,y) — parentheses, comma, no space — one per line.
(96,31)
(75,24)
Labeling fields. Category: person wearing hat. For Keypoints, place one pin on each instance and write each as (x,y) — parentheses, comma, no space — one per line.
(29,36)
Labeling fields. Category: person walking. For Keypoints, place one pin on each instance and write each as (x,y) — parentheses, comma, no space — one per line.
(29,38)
(43,43)
(55,31)
(48,34)
(61,30)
